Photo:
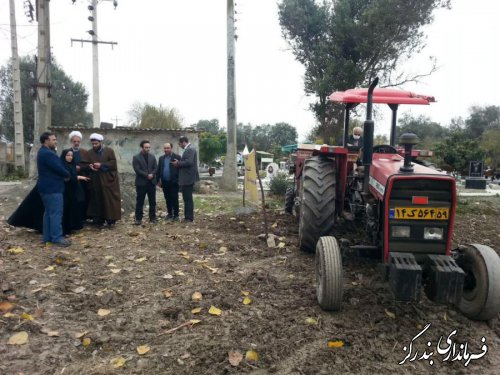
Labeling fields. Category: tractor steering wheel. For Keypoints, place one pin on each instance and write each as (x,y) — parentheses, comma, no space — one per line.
(384,149)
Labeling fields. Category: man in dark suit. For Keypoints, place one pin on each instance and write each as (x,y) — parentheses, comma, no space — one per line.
(51,176)
(168,180)
(188,175)
(145,182)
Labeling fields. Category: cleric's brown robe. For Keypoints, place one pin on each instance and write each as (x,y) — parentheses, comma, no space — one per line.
(104,187)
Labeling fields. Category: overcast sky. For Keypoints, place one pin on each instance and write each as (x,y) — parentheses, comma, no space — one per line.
(173,53)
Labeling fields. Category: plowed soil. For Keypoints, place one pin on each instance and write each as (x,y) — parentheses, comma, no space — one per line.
(144,278)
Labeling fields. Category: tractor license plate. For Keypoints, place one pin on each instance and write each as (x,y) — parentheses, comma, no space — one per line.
(419,213)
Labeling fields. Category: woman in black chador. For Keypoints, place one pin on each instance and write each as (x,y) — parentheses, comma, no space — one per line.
(74,197)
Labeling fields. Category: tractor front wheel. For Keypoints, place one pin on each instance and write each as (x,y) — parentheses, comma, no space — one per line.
(317,201)
(329,277)
(481,292)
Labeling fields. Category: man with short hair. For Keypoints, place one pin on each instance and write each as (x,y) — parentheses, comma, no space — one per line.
(188,175)
(104,185)
(168,180)
(50,185)
(144,165)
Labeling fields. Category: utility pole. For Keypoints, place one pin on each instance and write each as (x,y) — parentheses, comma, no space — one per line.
(43,102)
(16,83)
(230,174)
(96,110)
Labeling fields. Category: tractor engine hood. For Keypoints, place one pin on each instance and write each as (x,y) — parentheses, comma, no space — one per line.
(387,165)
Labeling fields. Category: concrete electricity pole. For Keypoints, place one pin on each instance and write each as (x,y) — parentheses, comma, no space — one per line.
(230,174)
(43,102)
(96,110)
(16,83)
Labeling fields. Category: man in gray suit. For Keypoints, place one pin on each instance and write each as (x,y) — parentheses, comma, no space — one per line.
(188,175)
(145,182)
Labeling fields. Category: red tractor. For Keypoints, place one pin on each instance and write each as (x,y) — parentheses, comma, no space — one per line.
(406,209)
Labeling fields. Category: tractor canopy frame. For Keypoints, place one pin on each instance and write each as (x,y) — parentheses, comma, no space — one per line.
(392,97)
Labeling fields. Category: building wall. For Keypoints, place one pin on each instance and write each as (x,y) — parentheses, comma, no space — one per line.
(125,141)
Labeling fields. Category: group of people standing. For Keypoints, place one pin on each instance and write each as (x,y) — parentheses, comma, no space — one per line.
(171,173)
(78,185)
(82,185)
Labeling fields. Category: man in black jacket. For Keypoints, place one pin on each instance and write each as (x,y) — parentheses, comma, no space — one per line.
(145,182)
(168,180)
(188,175)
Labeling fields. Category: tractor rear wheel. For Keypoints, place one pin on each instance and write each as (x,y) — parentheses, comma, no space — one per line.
(481,292)
(317,201)
(329,277)
(289,200)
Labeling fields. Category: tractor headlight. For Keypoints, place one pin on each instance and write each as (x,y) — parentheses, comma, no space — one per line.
(433,233)
(401,231)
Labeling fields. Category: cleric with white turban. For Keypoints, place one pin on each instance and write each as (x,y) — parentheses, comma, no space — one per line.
(96,137)
(75,138)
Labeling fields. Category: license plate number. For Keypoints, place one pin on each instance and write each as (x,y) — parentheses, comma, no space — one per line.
(419,213)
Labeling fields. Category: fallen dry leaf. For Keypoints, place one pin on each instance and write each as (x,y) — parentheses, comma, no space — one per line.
(49,268)
(247,301)
(86,341)
(179,273)
(274,225)
(196,310)
(115,270)
(16,250)
(252,355)
(103,312)
(19,338)
(117,362)
(80,289)
(245,293)
(6,306)
(214,311)
(390,314)
(311,321)
(50,333)
(194,321)
(143,349)
(79,335)
(9,315)
(26,316)
(235,357)
(140,260)
(336,344)
(168,293)
(197,296)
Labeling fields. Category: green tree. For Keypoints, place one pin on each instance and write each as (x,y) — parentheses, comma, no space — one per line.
(210,126)
(211,146)
(457,150)
(482,119)
(147,116)
(346,43)
(429,132)
(381,139)
(490,143)
(69,99)
(244,136)
(283,134)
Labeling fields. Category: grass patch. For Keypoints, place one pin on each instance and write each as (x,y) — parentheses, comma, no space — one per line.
(478,205)
(228,203)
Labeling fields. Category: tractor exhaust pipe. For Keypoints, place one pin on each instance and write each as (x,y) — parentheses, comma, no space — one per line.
(408,140)
(368,128)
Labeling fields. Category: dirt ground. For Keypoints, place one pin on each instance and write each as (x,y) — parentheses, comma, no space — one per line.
(95,307)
